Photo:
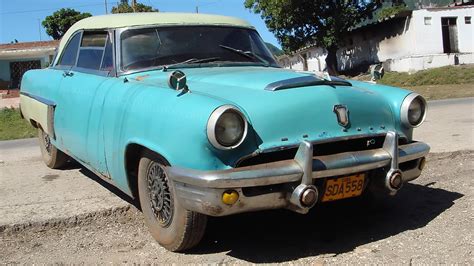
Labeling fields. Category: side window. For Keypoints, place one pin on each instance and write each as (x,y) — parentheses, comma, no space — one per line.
(70,52)
(108,60)
(91,50)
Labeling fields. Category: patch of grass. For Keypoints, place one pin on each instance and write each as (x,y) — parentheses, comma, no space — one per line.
(448,91)
(12,126)
(463,74)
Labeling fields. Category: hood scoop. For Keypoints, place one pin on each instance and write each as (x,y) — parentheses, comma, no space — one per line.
(305,81)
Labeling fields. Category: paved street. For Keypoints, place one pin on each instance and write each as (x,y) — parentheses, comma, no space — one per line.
(449,125)
(72,216)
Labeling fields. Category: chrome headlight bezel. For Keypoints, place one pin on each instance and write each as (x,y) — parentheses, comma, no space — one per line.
(407,102)
(212,122)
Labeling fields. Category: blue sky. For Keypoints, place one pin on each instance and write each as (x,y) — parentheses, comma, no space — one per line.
(19,19)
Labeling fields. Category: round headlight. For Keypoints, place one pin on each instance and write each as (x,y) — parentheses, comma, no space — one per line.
(226,128)
(413,110)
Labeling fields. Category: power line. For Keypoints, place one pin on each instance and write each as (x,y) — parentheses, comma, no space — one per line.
(46,9)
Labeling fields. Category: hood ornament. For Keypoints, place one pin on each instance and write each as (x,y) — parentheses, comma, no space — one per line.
(342,114)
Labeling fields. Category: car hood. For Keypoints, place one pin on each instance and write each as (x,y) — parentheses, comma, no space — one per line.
(286,117)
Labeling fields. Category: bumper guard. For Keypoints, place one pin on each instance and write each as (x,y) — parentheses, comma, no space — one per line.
(201,191)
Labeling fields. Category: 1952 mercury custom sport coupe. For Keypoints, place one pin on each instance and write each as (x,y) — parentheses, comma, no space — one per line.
(190,115)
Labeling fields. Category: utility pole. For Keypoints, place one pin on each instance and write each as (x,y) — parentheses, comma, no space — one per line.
(134,3)
(106,9)
(197,6)
(39,28)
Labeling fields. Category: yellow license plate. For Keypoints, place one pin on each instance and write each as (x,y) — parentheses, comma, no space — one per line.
(344,187)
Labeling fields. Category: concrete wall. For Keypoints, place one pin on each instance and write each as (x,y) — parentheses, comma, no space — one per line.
(402,44)
(5,65)
(316,60)
(429,39)
(415,63)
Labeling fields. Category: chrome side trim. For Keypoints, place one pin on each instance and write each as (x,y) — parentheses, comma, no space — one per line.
(305,81)
(51,109)
(39,98)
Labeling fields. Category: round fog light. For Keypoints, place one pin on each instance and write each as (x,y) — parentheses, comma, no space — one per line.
(230,197)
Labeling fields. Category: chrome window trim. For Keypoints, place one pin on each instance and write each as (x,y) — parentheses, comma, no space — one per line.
(120,31)
(211,125)
(90,71)
(56,64)
(406,105)
(112,73)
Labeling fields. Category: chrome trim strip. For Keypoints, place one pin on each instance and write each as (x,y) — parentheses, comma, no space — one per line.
(304,158)
(50,121)
(38,98)
(305,81)
(291,171)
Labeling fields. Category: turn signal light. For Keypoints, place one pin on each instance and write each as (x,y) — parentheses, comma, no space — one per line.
(230,197)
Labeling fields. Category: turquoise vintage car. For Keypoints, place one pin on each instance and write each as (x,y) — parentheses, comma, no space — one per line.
(190,115)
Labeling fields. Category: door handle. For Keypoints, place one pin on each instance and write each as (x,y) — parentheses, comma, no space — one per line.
(68,74)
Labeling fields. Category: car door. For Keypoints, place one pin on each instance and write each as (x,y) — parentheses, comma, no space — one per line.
(81,93)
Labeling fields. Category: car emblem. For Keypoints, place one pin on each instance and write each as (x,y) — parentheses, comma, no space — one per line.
(342,115)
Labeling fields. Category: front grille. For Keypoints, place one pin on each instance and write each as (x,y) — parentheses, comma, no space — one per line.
(319,149)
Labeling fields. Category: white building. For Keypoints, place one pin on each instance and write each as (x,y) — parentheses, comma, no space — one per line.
(409,41)
(17,58)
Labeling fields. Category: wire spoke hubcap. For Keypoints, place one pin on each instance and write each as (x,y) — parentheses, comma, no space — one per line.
(159,194)
(47,143)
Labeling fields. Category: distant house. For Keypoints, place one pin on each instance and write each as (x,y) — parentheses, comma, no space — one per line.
(411,40)
(17,58)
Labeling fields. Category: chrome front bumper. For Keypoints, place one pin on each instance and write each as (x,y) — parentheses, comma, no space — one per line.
(201,191)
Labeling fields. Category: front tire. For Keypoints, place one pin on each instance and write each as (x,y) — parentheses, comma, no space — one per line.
(174,227)
(52,157)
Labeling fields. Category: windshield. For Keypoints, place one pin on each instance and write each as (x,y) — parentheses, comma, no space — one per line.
(165,46)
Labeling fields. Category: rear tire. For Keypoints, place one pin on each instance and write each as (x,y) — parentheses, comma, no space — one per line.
(52,157)
(174,227)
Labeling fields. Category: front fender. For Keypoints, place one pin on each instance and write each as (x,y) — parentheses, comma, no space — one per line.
(394,97)
(166,122)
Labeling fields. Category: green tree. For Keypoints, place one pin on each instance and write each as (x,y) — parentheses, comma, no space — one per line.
(275,50)
(60,21)
(297,23)
(124,7)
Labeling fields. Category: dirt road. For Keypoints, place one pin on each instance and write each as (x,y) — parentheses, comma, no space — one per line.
(430,221)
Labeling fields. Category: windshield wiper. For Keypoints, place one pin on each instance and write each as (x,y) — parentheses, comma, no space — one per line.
(192,61)
(248,54)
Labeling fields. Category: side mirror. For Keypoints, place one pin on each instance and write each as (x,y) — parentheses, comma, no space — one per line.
(377,72)
(177,80)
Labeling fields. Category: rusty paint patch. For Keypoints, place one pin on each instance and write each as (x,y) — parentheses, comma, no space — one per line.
(140,78)
(211,209)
